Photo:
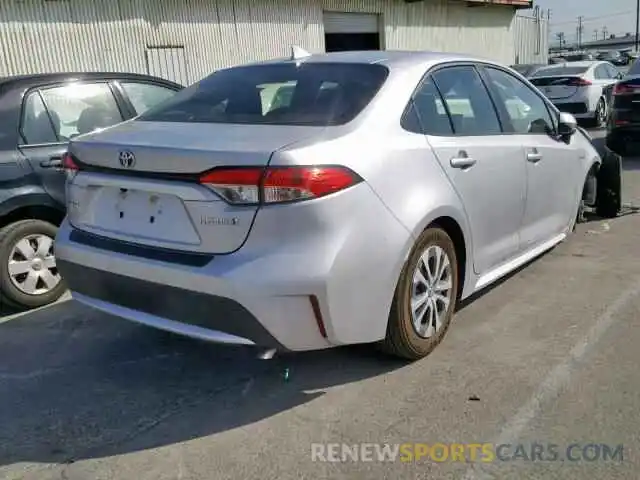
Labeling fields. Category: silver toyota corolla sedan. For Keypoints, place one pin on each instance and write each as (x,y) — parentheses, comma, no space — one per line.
(322,200)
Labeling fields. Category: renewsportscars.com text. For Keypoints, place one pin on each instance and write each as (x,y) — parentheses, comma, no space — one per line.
(466,452)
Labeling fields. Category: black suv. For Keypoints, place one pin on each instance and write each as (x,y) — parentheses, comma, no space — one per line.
(623,122)
(38,115)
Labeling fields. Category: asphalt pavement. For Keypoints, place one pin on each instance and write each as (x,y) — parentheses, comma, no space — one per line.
(547,360)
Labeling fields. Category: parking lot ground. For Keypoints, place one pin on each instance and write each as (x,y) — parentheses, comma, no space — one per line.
(548,356)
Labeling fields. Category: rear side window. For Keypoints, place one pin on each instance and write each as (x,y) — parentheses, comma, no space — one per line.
(467,101)
(430,110)
(144,96)
(315,94)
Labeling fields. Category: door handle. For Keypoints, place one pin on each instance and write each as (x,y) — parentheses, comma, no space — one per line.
(53,162)
(534,156)
(462,160)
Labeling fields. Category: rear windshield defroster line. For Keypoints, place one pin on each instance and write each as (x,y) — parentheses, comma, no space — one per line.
(314,94)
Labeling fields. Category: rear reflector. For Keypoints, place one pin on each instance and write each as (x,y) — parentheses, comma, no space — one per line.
(580,82)
(68,163)
(248,186)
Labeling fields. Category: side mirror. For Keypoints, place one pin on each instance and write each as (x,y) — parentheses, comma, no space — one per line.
(567,124)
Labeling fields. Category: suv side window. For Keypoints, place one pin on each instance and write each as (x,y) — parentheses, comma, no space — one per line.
(143,96)
(467,101)
(36,126)
(526,110)
(80,108)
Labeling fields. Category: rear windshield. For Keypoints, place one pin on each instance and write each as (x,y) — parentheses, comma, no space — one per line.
(555,71)
(635,68)
(316,94)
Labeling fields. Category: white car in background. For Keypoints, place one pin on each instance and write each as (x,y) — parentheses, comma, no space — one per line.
(578,88)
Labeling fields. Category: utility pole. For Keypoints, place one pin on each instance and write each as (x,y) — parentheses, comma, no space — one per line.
(637,23)
(604,33)
(580,29)
(595,34)
(560,37)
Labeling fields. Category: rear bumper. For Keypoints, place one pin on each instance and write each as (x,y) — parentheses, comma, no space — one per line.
(302,280)
(577,109)
(189,313)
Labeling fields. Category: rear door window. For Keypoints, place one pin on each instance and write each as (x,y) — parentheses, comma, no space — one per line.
(467,101)
(316,94)
(80,108)
(144,96)
(37,127)
(601,73)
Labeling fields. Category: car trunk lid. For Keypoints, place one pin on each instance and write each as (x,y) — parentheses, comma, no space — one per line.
(152,195)
(557,87)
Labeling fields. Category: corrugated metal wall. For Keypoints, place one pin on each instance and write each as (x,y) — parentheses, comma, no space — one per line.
(64,35)
(531,36)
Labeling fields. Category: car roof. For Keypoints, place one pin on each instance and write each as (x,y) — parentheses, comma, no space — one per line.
(40,78)
(389,58)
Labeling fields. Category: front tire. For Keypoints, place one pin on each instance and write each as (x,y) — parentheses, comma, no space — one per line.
(28,274)
(425,297)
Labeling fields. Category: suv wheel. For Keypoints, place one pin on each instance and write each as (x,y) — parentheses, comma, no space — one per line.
(28,274)
(425,297)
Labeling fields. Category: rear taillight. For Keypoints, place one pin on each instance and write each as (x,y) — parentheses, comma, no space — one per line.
(623,89)
(580,82)
(250,186)
(69,164)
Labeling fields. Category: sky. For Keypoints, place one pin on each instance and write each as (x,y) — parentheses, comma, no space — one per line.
(616,16)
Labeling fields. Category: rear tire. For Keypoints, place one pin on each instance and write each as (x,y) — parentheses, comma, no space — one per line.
(414,332)
(609,186)
(13,287)
(600,118)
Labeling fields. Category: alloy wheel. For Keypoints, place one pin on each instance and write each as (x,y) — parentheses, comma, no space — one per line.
(431,292)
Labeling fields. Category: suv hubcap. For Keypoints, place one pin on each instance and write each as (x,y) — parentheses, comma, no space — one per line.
(431,291)
(32,266)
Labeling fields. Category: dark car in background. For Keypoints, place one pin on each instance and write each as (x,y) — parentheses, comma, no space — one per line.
(623,123)
(613,56)
(40,114)
(527,69)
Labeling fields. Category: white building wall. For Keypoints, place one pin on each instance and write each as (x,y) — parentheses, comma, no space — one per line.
(107,35)
(531,35)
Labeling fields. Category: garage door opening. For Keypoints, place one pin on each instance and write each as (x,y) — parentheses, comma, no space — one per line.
(351,31)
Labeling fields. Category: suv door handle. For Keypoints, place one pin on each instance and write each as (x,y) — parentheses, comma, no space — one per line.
(462,160)
(53,162)
(534,156)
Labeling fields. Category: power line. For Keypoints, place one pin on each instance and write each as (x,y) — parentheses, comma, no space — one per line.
(637,23)
(596,19)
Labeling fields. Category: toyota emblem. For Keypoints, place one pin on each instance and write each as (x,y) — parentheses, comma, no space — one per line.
(127,159)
